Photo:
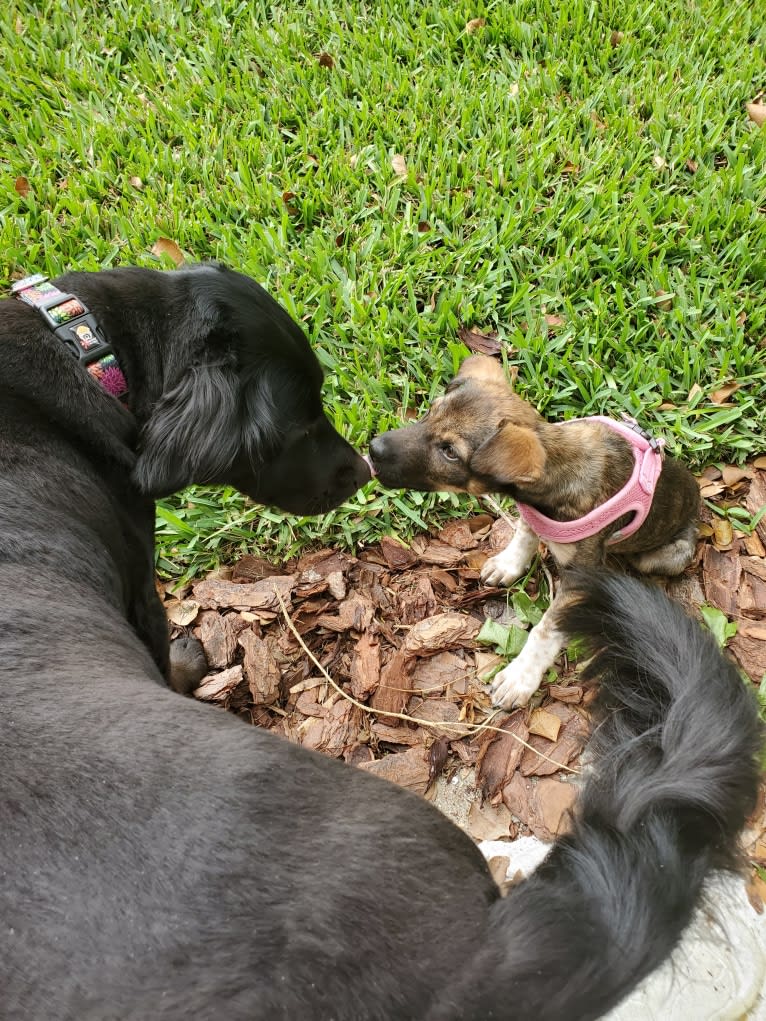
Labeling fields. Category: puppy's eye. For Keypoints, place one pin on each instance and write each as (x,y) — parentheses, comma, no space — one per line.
(448,452)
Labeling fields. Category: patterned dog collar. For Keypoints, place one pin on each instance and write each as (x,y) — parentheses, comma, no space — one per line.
(73,324)
(635,496)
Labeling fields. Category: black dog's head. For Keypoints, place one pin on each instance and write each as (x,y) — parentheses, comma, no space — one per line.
(240,400)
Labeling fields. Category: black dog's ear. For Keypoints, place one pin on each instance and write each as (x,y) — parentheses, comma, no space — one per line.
(193,432)
(511,456)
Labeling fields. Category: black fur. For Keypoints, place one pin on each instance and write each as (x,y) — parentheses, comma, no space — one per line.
(224,388)
(159,859)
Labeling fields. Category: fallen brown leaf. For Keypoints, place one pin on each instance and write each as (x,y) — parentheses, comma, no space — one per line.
(553,321)
(22,186)
(723,533)
(544,724)
(731,474)
(757,113)
(182,611)
(325,60)
(480,342)
(489,822)
(500,754)
(616,38)
(399,165)
(475,24)
(723,393)
(164,247)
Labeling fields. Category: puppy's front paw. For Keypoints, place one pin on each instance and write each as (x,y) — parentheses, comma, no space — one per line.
(503,569)
(514,685)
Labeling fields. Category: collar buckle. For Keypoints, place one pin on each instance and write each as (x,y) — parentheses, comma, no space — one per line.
(74,325)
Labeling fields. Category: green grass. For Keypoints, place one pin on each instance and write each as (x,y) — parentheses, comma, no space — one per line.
(549,172)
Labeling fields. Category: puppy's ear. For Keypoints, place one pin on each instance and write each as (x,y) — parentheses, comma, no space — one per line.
(482,368)
(193,432)
(512,456)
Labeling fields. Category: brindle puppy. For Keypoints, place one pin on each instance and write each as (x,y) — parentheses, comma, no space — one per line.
(480,437)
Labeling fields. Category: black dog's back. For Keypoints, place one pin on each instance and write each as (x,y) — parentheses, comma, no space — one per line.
(175,863)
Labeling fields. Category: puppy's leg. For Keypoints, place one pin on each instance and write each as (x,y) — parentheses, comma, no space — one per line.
(515,684)
(513,561)
(672,558)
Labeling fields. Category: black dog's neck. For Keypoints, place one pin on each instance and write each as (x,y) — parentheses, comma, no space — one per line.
(128,319)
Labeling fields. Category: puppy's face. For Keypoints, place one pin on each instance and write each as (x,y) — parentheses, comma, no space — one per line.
(477,438)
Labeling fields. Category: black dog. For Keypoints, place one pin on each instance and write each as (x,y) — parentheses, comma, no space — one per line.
(224,388)
(162,860)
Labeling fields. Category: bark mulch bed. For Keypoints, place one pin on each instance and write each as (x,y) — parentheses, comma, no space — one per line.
(396,629)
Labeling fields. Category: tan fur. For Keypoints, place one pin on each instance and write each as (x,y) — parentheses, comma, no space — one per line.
(482,437)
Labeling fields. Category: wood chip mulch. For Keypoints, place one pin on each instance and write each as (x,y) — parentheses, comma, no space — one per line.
(395,627)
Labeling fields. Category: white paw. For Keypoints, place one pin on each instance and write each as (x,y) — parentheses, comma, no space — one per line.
(504,569)
(515,685)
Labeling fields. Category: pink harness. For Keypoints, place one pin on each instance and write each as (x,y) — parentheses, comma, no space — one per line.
(636,495)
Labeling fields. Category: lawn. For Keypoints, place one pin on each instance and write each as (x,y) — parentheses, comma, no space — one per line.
(581,178)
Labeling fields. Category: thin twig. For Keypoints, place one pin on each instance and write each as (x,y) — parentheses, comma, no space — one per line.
(470,728)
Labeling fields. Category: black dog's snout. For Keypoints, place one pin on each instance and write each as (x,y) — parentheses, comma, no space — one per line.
(351,476)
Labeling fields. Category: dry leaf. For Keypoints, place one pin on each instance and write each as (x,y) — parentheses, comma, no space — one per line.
(692,166)
(500,754)
(135,182)
(22,186)
(731,474)
(182,611)
(552,321)
(666,304)
(166,247)
(723,534)
(544,724)
(489,822)
(399,164)
(325,60)
(723,393)
(659,162)
(695,389)
(475,24)
(616,38)
(757,113)
(480,342)
(570,168)
(760,461)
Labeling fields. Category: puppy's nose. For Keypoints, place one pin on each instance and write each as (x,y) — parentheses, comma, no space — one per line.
(378,447)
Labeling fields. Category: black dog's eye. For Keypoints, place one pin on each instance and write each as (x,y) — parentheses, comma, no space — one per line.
(449,452)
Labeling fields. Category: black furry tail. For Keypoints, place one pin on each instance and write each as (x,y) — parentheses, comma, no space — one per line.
(674,775)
